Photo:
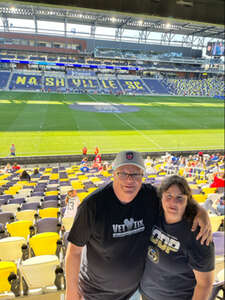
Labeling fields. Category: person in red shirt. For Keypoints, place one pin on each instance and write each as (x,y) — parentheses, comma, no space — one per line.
(98,158)
(15,167)
(84,150)
(218,180)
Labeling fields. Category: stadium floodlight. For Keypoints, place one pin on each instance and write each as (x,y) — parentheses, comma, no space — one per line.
(185,3)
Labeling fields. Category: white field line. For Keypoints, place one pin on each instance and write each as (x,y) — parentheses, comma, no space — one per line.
(131,126)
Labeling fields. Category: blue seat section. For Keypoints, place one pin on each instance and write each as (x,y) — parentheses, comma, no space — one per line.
(156,86)
(110,86)
(22,81)
(133,86)
(4,76)
(197,87)
(53,83)
(83,84)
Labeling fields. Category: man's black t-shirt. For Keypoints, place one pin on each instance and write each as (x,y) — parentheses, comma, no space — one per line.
(116,237)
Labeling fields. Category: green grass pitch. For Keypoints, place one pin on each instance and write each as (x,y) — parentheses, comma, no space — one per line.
(44,124)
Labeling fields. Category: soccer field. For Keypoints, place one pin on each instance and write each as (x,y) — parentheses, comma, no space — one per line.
(45,124)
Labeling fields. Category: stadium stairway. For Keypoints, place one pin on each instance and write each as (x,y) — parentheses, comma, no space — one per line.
(9,80)
(146,86)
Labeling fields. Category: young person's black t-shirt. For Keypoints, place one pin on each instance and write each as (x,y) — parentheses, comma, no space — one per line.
(116,237)
(173,253)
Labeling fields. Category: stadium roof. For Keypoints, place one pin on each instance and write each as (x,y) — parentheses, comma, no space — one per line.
(142,15)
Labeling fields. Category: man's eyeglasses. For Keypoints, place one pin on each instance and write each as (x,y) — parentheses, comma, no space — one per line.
(178,198)
(134,176)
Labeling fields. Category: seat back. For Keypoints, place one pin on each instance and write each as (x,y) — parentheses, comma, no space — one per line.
(67,223)
(6,268)
(26,215)
(6,217)
(215,222)
(11,248)
(48,225)
(19,228)
(39,271)
(44,243)
(50,212)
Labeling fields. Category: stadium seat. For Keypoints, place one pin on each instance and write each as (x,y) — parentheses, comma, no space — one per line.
(218,291)
(10,207)
(30,206)
(6,269)
(218,239)
(44,243)
(11,248)
(49,212)
(19,228)
(216,222)
(40,272)
(200,198)
(48,225)
(26,215)
(50,203)
(6,217)
(67,223)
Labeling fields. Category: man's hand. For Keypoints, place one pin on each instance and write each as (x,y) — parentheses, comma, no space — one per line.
(203,221)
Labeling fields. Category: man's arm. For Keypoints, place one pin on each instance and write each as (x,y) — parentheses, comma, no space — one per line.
(72,264)
(204,282)
(203,221)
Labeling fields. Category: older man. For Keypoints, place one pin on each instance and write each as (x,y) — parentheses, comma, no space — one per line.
(114,225)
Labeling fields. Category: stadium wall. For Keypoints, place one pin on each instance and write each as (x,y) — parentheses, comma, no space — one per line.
(77,158)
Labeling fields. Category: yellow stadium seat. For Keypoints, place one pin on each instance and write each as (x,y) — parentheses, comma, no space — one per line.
(92,189)
(201,181)
(215,222)
(19,228)
(6,268)
(82,195)
(208,190)
(200,198)
(44,243)
(51,193)
(54,176)
(50,212)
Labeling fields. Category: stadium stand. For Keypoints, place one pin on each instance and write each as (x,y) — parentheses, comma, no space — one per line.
(4,77)
(22,81)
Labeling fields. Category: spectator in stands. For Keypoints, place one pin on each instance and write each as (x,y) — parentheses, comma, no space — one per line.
(36,174)
(15,167)
(116,234)
(8,168)
(98,158)
(221,206)
(12,150)
(218,180)
(84,168)
(84,150)
(24,176)
(177,265)
(96,150)
(215,207)
(72,202)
